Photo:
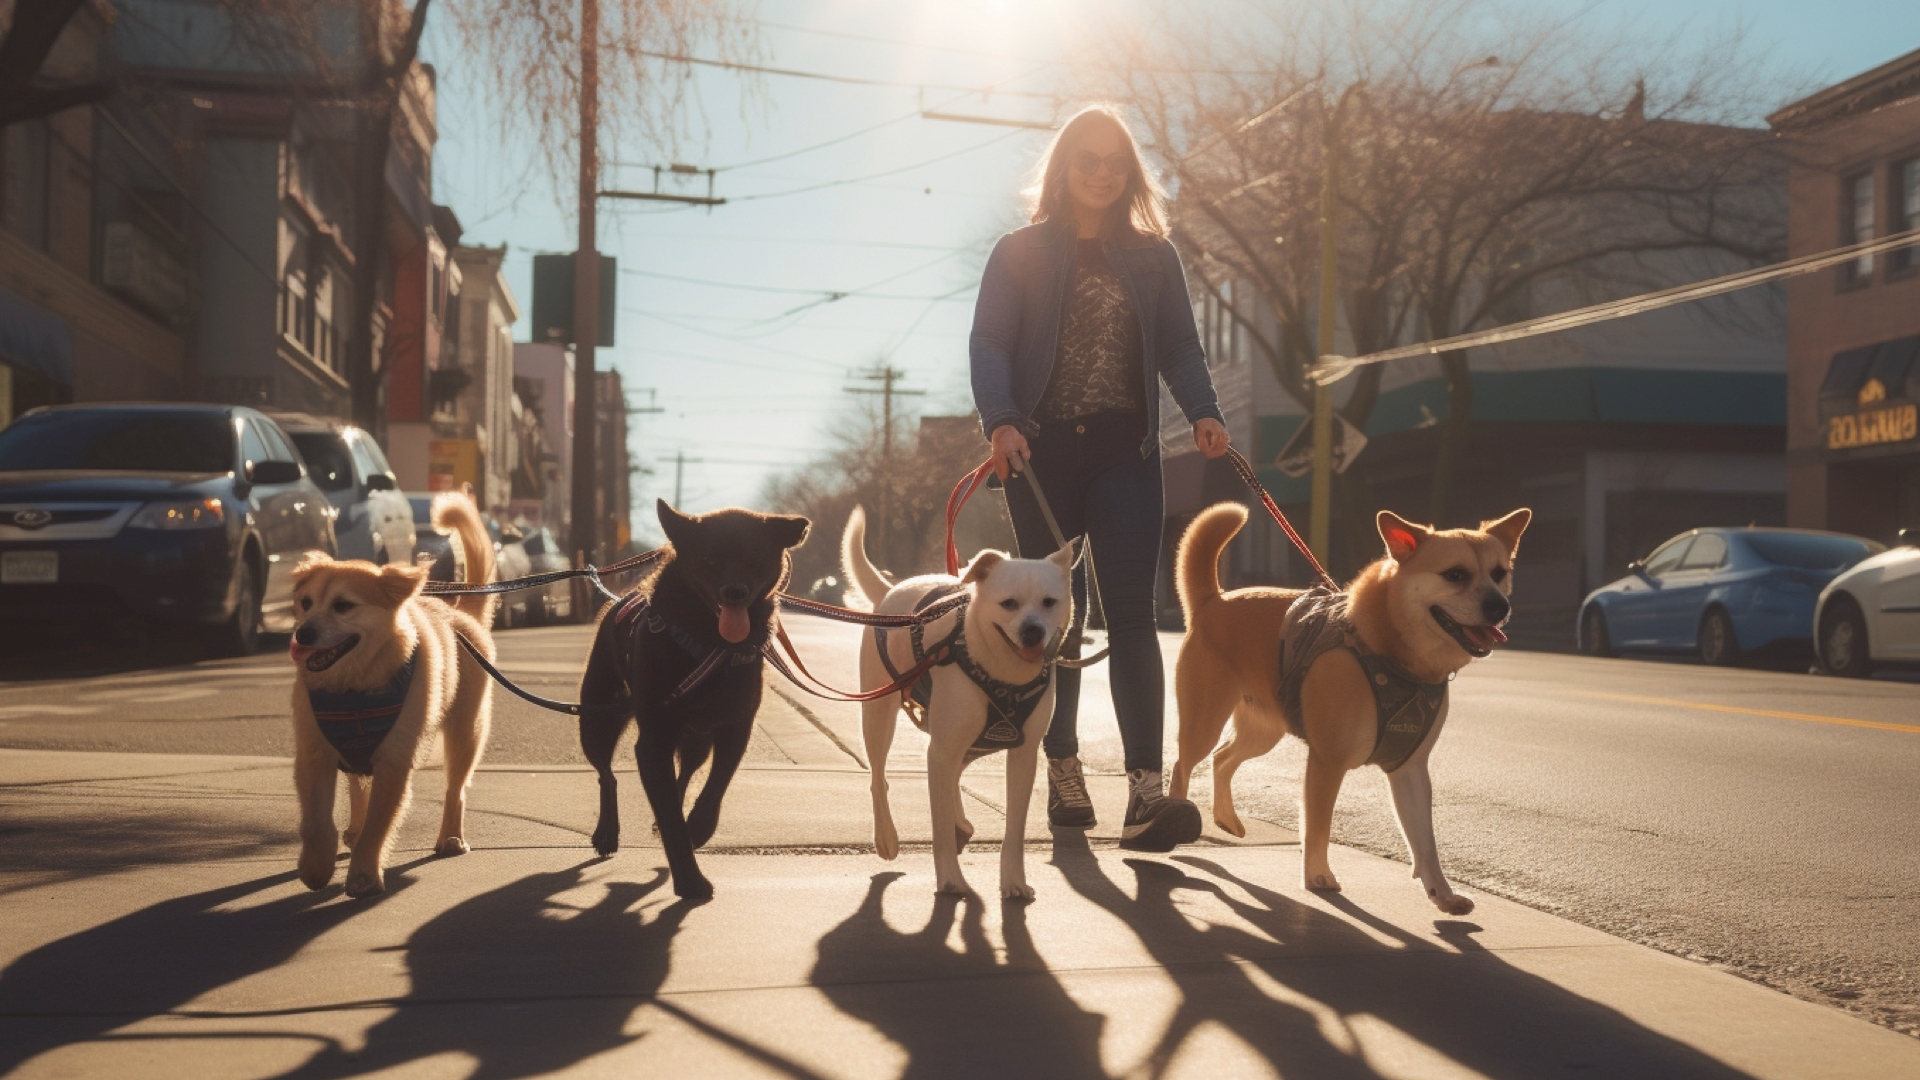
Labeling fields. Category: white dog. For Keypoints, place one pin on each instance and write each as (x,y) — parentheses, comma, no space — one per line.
(993,692)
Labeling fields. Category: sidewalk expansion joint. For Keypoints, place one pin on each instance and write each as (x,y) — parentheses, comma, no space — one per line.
(808,713)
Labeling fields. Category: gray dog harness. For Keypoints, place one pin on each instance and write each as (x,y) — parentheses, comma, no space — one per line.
(356,722)
(1405,707)
(1009,705)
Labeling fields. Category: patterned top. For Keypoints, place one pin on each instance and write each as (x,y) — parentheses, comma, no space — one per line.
(1096,368)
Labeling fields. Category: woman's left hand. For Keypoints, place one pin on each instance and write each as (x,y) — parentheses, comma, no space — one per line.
(1210,436)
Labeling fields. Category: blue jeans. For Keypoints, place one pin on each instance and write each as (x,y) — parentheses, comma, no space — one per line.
(1100,487)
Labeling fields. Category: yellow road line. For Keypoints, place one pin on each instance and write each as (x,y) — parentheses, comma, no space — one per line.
(1808,717)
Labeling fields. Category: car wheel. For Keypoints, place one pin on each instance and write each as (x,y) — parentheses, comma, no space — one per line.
(1718,646)
(240,634)
(1594,640)
(1843,641)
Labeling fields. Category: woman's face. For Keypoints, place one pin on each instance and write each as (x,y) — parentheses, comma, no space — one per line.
(1097,166)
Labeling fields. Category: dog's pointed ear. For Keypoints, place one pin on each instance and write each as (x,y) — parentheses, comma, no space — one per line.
(672,522)
(789,532)
(401,582)
(1508,529)
(1068,557)
(982,565)
(1403,537)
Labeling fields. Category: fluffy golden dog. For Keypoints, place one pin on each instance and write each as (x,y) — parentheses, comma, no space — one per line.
(377,673)
(1410,620)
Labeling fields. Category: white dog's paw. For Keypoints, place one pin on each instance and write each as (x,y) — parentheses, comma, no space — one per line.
(954,886)
(1321,881)
(362,884)
(452,845)
(1016,890)
(1450,902)
(886,842)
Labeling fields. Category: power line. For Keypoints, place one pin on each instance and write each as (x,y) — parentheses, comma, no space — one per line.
(852,80)
(879,175)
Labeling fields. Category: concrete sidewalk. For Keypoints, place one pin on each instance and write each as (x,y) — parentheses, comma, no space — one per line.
(154,928)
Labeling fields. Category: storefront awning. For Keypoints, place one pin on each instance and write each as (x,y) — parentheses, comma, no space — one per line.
(1860,378)
(32,339)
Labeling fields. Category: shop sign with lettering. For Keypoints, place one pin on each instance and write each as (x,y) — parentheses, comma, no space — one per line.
(1869,427)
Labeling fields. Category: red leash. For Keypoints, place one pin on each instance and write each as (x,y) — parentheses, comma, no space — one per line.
(1245,470)
(820,688)
(963,491)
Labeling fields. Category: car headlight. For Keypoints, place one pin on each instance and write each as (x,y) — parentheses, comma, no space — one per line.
(203,514)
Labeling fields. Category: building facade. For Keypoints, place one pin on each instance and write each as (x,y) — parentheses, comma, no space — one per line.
(471,387)
(97,298)
(542,480)
(1853,449)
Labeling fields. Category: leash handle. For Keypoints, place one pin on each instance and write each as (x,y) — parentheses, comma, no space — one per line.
(1245,470)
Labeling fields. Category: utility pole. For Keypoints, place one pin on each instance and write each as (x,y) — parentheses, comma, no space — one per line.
(1320,506)
(583,530)
(886,375)
(680,462)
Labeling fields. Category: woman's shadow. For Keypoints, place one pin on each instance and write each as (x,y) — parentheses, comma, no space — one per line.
(523,979)
(1202,960)
(957,1013)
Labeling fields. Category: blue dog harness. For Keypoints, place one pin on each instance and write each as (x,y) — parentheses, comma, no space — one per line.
(355,722)
(1009,705)
(1404,707)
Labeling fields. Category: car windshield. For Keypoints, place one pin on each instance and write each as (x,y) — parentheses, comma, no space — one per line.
(422,509)
(327,460)
(112,441)
(1802,551)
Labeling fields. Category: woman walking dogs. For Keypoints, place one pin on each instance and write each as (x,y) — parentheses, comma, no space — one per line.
(1080,315)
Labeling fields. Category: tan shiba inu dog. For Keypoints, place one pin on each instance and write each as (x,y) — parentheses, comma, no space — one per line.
(1366,679)
(377,673)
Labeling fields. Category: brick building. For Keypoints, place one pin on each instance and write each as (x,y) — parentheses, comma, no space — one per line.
(1853,334)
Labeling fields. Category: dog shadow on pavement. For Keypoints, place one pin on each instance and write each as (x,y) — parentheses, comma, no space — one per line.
(1469,1006)
(525,979)
(157,959)
(957,1013)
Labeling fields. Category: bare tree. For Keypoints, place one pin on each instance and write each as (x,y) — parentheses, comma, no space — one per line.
(1488,159)
(33,28)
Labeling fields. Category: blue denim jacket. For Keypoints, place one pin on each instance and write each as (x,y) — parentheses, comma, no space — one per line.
(1016,325)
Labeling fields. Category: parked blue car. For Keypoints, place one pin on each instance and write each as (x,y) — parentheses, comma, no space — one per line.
(1720,593)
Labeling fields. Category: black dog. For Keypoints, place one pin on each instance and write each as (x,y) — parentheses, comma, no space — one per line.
(685,648)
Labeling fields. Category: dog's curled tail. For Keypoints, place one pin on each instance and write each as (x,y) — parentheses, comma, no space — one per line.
(865,583)
(1198,564)
(455,512)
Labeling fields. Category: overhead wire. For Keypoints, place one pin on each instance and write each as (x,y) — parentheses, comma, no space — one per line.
(1331,369)
(852,80)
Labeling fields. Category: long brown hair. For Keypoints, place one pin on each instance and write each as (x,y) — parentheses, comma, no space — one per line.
(1146,207)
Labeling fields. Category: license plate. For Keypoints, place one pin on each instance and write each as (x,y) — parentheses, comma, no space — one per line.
(29,567)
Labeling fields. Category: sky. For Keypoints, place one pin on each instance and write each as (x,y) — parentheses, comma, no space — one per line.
(727,317)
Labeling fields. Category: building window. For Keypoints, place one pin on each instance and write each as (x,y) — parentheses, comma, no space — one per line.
(295,315)
(1859,223)
(1906,208)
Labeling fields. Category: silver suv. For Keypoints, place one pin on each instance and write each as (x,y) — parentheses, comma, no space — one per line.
(374,523)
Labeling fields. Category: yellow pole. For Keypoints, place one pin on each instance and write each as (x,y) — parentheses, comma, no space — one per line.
(1320,508)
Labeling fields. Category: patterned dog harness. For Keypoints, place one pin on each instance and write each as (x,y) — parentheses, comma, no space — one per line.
(635,612)
(1009,705)
(355,722)
(1405,707)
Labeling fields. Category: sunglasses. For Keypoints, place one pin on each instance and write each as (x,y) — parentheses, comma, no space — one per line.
(1088,163)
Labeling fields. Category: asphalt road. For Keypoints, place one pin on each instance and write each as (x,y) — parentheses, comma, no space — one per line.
(1763,822)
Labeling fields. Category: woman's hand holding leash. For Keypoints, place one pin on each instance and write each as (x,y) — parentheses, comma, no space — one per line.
(1010,452)
(1209,435)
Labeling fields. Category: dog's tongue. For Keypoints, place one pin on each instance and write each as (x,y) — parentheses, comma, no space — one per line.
(1485,636)
(300,652)
(734,624)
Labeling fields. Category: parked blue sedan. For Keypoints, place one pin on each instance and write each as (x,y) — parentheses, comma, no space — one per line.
(1720,593)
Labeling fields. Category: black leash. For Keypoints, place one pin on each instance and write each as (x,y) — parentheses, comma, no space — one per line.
(592,573)
(611,710)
